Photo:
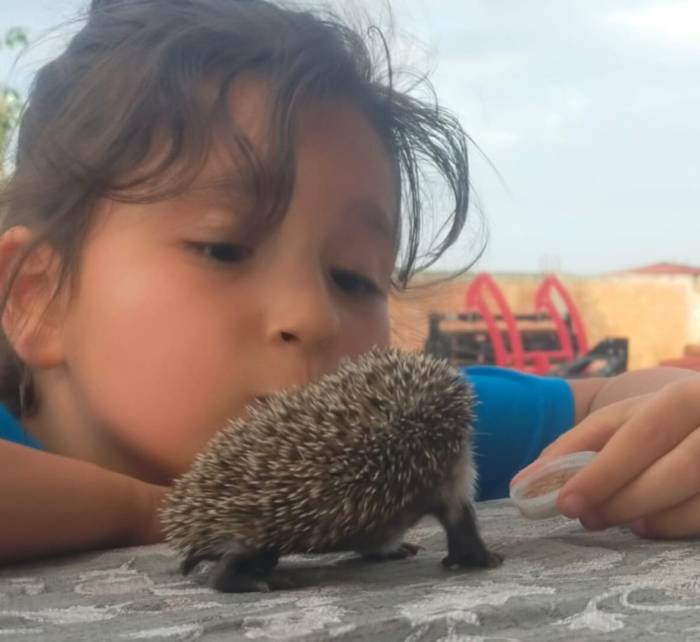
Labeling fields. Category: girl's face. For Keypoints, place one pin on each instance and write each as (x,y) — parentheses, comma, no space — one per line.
(178,320)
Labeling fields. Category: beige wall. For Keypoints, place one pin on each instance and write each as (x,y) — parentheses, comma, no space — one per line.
(659,314)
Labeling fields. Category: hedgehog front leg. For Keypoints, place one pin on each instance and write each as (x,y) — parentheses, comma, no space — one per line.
(248,573)
(465,548)
(193,559)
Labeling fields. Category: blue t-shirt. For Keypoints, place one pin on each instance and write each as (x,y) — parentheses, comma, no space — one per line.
(517,415)
(13,431)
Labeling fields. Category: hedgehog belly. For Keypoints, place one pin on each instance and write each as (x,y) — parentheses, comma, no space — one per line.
(383,538)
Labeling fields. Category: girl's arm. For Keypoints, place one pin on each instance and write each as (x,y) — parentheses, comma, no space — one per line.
(51,504)
(594,393)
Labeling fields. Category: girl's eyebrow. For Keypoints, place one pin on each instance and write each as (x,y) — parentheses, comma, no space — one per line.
(225,191)
(373,217)
(221,190)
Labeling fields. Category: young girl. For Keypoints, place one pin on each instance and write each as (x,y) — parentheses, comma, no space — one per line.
(213,200)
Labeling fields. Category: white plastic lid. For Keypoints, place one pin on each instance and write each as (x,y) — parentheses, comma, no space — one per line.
(536,493)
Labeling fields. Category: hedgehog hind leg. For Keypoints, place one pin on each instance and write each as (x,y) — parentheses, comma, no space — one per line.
(465,548)
(249,573)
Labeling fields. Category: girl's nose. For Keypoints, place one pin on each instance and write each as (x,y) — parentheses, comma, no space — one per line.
(302,310)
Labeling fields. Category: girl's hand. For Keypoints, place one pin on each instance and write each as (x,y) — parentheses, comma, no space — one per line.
(67,505)
(147,526)
(647,472)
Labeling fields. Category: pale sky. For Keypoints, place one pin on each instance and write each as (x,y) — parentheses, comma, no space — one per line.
(588,109)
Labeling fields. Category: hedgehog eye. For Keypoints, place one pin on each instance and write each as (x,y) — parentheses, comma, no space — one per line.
(355,284)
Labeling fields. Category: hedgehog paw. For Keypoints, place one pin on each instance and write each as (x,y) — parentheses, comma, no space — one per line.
(404,550)
(253,573)
(279,581)
(473,559)
(193,559)
(231,582)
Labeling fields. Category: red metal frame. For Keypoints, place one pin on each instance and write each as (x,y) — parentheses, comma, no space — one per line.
(543,302)
(474,300)
(539,361)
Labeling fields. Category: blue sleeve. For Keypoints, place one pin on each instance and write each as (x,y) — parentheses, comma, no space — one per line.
(517,415)
(11,430)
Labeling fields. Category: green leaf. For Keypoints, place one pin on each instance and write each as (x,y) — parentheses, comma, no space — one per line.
(16,37)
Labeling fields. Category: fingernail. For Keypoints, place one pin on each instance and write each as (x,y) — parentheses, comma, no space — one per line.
(592,521)
(535,464)
(640,527)
(570,505)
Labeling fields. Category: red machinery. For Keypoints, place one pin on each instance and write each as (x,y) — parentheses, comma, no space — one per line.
(550,340)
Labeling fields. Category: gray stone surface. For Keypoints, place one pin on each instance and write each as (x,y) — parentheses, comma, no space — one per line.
(558,582)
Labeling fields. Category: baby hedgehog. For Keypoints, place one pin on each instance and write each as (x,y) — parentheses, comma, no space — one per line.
(347,463)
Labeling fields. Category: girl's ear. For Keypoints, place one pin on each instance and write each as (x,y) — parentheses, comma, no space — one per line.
(31,318)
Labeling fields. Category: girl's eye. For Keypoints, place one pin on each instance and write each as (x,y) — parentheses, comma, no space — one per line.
(355,284)
(222,252)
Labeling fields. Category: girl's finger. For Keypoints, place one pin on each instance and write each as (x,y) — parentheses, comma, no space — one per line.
(590,434)
(673,523)
(595,430)
(670,481)
(655,428)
